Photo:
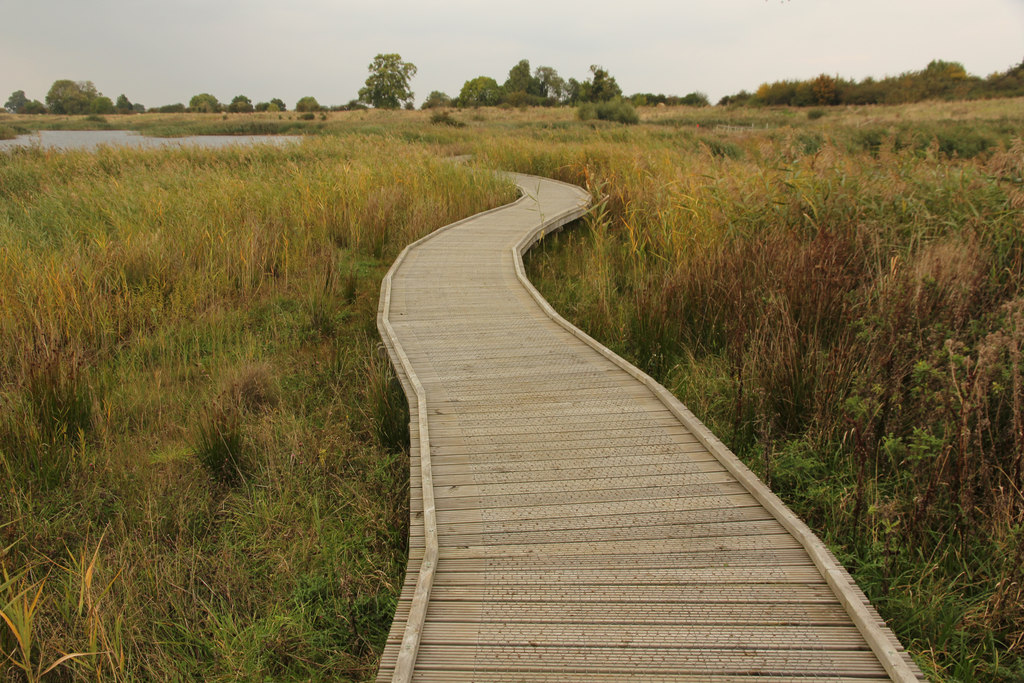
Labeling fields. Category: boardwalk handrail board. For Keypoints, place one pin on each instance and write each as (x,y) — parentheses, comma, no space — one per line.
(896,664)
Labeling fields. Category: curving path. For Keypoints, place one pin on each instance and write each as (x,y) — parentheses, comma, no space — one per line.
(571,521)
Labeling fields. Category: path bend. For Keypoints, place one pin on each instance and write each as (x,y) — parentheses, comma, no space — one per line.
(570,519)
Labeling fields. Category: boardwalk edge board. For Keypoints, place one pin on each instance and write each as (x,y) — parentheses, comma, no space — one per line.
(864,616)
(421,571)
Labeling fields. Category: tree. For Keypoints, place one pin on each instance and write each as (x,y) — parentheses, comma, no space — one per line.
(240,104)
(573,90)
(551,85)
(124,105)
(436,99)
(16,102)
(600,88)
(101,105)
(70,97)
(387,86)
(520,80)
(204,103)
(824,89)
(307,103)
(695,99)
(279,103)
(482,91)
(34,107)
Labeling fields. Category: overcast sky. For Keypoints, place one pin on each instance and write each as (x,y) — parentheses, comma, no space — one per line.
(164,51)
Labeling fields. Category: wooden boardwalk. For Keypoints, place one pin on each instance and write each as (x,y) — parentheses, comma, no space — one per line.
(571,521)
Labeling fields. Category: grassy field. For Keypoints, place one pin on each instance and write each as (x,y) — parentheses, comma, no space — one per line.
(202,448)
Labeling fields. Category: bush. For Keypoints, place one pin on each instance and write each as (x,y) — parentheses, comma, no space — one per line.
(443,118)
(307,104)
(815,114)
(617,110)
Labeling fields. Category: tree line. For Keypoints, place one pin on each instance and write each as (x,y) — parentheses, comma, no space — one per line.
(544,87)
(81,97)
(388,87)
(940,80)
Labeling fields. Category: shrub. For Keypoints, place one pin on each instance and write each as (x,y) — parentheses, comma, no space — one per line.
(617,110)
(443,118)
(815,114)
(307,104)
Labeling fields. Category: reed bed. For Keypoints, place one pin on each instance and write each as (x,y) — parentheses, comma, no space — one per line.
(848,318)
(201,447)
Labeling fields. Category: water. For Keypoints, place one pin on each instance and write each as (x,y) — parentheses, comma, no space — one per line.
(91,139)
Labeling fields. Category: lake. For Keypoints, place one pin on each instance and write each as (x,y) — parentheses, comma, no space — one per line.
(91,139)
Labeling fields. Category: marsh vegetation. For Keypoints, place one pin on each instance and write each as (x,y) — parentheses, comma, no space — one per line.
(202,448)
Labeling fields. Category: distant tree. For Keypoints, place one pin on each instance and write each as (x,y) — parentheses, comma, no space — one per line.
(101,105)
(204,103)
(600,88)
(573,89)
(353,105)
(695,99)
(34,107)
(124,105)
(177,108)
(279,103)
(70,97)
(739,98)
(264,106)
(387,86)
(139,108)
(520,81)
(436,99)
(307,104)
(240,104)
(482,91)
(825,90)
(550,84)
(16,102)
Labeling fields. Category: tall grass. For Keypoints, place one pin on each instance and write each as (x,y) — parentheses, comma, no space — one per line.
(193,487)
(849,320)
(201,448)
